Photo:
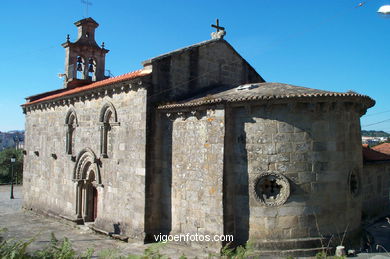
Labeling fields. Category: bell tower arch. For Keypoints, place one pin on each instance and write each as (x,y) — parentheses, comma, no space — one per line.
(84,58)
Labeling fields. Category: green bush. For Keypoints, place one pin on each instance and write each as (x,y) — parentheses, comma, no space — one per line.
(12,249)
(239,252)
(60,250)
(5,165)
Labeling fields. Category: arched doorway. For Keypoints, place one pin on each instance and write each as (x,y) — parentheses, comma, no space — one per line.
(87,177)
(89,201)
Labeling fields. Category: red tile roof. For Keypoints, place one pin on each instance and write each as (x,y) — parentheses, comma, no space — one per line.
(109,81)
(383,148)
(369,154)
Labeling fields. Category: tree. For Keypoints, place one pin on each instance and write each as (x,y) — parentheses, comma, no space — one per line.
(5,165)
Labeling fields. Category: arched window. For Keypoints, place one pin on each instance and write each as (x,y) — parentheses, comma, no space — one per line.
(80,71)
(70,123)
(92,69)
(108,118)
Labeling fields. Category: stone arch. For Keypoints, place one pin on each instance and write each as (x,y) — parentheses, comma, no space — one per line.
(86,162)
(71,122)
(108,118)
(107,111)
(87,176)
(80,67)
(91,68)
(71,116)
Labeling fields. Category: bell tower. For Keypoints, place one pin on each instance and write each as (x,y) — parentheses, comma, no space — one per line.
(84,59)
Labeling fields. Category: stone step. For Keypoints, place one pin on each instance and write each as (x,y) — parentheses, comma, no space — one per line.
(288,244)
(292,252)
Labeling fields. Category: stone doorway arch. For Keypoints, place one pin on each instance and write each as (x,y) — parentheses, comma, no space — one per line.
(88,180)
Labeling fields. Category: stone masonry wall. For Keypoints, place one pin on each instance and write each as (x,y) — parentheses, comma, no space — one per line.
(48,184)
(375,187)
(190,72)
(180,75)
(197,174)
(315,146)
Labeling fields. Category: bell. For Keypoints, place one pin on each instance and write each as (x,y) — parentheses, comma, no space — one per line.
(90,68)
(79,67)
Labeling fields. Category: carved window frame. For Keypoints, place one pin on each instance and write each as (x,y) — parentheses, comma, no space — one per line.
(354,183)
(280,180)
(71,122)
(107,112)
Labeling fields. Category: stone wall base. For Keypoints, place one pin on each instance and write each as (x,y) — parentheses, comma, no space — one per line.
(306,246)
(62,218)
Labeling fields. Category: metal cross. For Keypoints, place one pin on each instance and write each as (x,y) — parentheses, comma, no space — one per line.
(87,3)
(217,26)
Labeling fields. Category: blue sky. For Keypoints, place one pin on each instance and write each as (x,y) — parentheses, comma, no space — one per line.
(329,45)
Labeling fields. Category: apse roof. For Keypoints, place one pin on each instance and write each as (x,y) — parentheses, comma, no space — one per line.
(262,91)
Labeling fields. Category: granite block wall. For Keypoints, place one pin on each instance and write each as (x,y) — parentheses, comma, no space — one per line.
(200,68)
(197,173)
(375,187)
(316,147)
(49,170)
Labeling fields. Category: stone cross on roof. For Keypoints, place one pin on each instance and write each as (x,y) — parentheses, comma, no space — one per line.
(217,26)
(220,33)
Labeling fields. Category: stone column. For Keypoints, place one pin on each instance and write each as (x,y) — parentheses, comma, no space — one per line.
(79,203)
(85,201)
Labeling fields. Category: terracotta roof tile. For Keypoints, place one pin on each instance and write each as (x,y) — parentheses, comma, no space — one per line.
(109,81)
(383,148)
(369,154)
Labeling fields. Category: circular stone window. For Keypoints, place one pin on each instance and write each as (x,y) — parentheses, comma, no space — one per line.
(354,183)
(271,189)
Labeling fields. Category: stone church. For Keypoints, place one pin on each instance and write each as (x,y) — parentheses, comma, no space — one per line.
(194,142)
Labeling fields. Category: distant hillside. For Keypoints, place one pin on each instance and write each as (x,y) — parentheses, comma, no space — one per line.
(11,138)
(374,133)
